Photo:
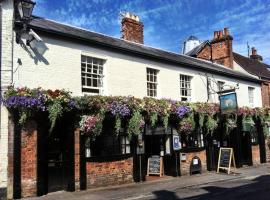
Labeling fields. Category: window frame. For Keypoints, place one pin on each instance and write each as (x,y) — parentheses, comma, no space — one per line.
(188,90)
(94,74)
(117,146)
(153,82)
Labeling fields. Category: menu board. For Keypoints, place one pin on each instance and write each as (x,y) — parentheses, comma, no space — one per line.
(226,159)
(155,166)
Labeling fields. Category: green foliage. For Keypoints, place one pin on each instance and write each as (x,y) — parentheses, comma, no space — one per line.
(55,112)
(118,124)
(135,124)
(153,119)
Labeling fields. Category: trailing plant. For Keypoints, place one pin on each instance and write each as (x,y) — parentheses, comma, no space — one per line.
(29,101)
(230,123)
(211,124)
(135,125)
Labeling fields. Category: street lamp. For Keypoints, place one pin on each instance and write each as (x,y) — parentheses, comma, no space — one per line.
(25,8)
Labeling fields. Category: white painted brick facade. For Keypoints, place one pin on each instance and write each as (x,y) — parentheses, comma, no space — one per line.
(124,74)
(6,72)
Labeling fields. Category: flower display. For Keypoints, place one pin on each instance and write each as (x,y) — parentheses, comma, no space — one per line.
(88,123)
(181,111)
(127,112)
(119,109)
(187,125)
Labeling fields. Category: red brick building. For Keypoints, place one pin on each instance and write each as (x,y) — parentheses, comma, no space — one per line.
(220,50)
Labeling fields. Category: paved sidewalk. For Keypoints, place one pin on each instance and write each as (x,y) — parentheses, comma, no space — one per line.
(135,190)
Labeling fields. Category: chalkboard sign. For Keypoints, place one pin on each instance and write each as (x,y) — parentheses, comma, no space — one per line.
(155,166)
(226,159)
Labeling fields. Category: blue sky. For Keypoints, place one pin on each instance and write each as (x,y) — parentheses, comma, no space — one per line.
(167,23)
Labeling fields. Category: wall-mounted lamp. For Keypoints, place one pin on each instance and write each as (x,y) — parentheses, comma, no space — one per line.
(25,9)
(24,14)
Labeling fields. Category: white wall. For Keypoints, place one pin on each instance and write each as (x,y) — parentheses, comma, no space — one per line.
(6,71)
(124,74)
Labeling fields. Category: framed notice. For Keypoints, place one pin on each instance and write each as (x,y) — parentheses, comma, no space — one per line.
(228,103)
(176,142)
(225,159)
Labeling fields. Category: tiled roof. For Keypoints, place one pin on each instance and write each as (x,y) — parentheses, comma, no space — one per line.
(253,66)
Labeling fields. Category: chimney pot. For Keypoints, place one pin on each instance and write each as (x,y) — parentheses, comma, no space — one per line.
(254,51)
(215,34)
(221,34)
(226,31)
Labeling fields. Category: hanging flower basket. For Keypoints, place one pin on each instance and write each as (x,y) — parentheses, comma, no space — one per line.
(187,125)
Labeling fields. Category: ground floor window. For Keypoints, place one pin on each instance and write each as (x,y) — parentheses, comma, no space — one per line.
(193,140)
(108,145)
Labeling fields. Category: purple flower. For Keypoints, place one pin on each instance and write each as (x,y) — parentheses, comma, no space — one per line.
(181,111)
(72,104)
(117,108)
(24,101)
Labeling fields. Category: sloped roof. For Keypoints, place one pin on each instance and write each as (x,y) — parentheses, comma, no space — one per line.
(79,34)
(194,52)
(253,66)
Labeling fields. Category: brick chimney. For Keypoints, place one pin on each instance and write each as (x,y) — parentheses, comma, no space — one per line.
(254,55)
(132,28)
(221,45)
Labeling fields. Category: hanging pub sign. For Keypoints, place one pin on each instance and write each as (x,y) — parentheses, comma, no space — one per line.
(228,103)
(176,143)
(225,159)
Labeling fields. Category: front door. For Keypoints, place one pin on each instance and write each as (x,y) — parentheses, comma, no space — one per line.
(60,158)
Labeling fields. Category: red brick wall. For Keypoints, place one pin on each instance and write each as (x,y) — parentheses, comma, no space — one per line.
(77,158)
(29,160)
(132,30)
(255,154)
(222,52)
(185,165)
(265,94)
(109,173)
(205,53)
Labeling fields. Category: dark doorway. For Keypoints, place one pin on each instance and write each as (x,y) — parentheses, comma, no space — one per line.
(56,158)
(154,145)
(212,143)
(246,149)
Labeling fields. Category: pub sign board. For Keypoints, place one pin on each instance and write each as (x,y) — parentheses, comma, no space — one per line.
(228,103)
(226,159)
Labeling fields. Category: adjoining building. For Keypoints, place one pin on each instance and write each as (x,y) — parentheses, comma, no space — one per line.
(53,55)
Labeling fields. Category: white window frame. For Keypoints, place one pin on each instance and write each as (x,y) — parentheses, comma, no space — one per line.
(251,91)
(97,73)
(154,81)
(187,97)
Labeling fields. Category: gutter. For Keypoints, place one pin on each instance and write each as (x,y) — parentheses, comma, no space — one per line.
(195,66)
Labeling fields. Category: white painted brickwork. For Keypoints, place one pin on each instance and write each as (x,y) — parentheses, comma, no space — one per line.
(124,74)
(6,71)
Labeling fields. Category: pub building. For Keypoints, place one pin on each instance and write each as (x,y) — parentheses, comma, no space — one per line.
(51,55)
